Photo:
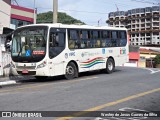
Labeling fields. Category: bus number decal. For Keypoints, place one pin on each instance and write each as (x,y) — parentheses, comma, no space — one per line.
(72,54)
(69,54)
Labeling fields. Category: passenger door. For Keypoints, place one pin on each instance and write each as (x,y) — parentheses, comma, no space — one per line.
(56,46)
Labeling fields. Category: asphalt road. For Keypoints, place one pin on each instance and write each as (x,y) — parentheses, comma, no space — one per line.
(127,89)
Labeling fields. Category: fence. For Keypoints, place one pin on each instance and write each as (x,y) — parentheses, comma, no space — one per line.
(5,64)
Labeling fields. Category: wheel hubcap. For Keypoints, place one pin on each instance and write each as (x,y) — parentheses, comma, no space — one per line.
(70,70)
(110,66)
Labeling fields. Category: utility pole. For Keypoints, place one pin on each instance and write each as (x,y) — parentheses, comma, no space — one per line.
(34,11)
(55,10)
(1,69)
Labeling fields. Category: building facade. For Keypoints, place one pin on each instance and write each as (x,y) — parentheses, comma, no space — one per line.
(5,11)
(21,16)
(143,24)
(11,17)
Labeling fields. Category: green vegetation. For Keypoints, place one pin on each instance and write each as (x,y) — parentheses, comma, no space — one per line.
(62,18)
(157,59)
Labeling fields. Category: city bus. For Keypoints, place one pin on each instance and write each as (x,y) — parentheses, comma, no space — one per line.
(44,50)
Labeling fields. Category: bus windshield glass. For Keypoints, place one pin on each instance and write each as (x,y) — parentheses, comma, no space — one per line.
(29,44)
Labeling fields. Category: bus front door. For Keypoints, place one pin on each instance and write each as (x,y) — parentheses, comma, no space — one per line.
(56,47)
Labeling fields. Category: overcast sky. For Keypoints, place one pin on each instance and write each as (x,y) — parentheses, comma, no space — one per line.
(88,11)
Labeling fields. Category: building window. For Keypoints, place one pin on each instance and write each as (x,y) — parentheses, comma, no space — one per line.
(19,23)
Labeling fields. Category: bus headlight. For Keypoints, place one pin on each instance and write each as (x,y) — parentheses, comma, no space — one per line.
(42,65)
(12,65)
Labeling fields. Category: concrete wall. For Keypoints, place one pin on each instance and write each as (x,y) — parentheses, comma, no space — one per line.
(131,63)
(5,12)
(6,60)
(5,64)
(142,64)
(147,56)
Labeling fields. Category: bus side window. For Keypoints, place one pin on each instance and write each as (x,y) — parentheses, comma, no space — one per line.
(96,37)
(95,41)
(73,39)
(108,39)
(84,36)
(103,38)
(56,43)
(123,38)
(115,39)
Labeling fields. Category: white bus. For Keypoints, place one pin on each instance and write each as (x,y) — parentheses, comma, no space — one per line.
(56,49)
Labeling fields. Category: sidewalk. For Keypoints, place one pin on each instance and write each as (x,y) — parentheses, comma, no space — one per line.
(9,80)
(6,81)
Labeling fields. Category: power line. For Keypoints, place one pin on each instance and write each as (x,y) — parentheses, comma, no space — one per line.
(15,2)
(143,1)
(4,13)
(94,12)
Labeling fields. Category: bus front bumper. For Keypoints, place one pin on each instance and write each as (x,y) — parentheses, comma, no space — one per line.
(32,72)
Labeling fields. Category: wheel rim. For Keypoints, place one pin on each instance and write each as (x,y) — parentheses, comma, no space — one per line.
(110,66)
(69,70)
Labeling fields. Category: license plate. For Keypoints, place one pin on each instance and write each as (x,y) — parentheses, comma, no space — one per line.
(25,71)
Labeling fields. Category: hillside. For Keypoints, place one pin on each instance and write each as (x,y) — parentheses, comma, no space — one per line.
(62,18)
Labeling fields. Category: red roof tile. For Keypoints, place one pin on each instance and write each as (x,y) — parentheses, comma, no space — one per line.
(143,50)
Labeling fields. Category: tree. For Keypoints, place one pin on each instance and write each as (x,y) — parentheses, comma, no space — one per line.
(157,59)
(62,18)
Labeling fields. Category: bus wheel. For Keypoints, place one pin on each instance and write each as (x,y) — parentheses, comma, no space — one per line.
(71,71)
(110,66)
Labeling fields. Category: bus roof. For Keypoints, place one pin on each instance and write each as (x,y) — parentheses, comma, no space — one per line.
(60,25)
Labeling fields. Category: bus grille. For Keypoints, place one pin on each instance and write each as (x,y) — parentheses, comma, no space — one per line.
(26,67)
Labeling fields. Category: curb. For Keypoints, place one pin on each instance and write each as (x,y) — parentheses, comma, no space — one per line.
(10,82)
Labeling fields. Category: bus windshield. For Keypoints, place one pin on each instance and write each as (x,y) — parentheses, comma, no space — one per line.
(29,44)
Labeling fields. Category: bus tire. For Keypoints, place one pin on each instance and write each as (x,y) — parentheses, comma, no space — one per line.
(71,71)
(110,66)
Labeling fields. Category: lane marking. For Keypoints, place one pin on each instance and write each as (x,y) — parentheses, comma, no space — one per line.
(78,114)
(155,71)
(43,85)
(133,109)
(151,70)
(78,80)
(98,118)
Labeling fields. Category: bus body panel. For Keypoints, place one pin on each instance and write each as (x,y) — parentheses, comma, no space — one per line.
(86,59)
